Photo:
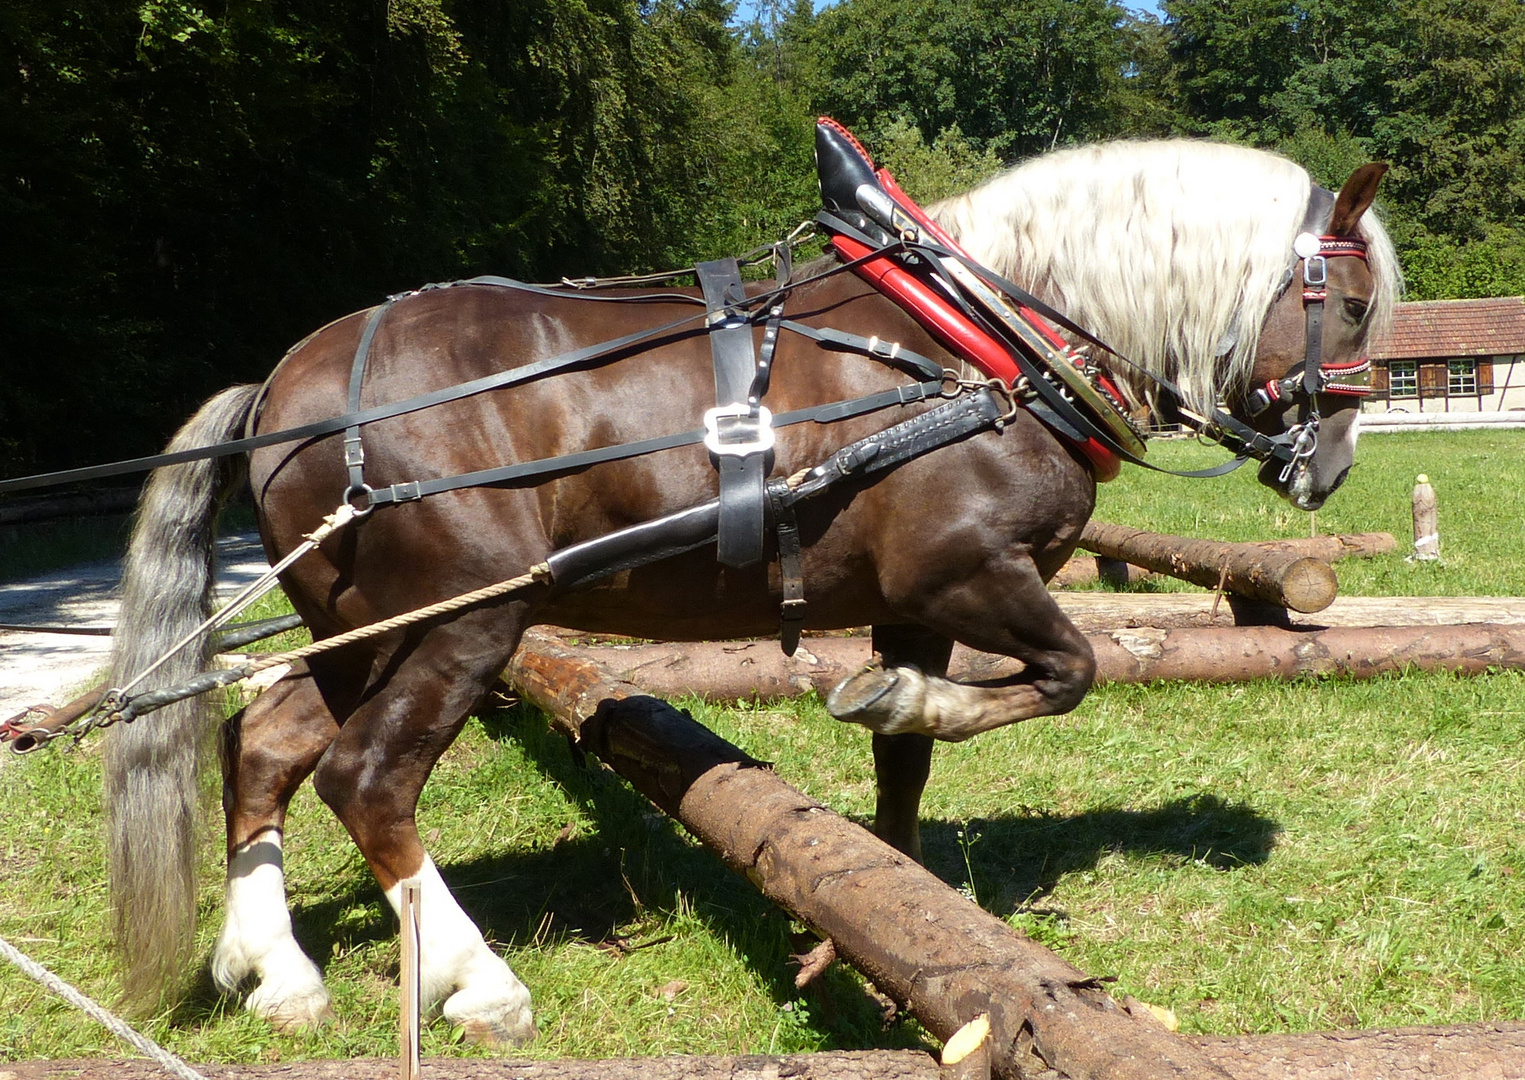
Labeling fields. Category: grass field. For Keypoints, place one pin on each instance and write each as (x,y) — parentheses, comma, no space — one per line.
(1263,857)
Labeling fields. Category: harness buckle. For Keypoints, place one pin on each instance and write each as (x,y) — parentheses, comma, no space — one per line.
(1315,270)
(354,452)
(745,431)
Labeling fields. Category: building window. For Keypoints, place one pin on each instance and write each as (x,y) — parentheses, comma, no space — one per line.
(1461,378)
(1403,378)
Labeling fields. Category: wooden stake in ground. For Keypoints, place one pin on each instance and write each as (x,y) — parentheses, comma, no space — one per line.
(1426,522)
(1258,573)
(410,1020)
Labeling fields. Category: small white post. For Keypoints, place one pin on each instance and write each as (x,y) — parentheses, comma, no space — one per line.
(408,1025)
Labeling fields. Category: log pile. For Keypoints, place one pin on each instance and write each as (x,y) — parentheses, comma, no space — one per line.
(919,941)
(925,945)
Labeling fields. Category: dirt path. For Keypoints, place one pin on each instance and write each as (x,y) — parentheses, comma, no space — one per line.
(52,668)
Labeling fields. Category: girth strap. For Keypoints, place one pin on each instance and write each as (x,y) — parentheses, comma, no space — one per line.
(740,430)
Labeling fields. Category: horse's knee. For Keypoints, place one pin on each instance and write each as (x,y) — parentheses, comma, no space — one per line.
(1068,677)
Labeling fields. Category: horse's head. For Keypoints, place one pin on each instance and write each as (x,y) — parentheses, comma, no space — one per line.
(1310,370)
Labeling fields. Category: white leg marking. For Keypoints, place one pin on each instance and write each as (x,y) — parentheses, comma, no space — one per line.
(484,996)
(256,939)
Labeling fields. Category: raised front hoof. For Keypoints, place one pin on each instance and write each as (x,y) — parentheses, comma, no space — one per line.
(294,1012)
(492,1020)
(889,701)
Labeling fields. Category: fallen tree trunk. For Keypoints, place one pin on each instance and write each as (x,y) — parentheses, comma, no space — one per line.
(1334,547)
(918,940)
(740,670)
(1469,1052)
(1099,611)
(1085,569)
(1249,570)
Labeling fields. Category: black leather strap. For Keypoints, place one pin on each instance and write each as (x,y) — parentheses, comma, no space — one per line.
(567,463)
(791,574)
(354,450)
(741,475)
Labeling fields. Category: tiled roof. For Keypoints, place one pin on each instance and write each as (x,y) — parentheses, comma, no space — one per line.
(1443,328)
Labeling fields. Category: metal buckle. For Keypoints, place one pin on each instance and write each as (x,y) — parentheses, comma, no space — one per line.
(1315,270)
(354,452)
(760,430)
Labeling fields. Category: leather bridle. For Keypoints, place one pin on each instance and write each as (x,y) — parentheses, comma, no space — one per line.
(1311,376)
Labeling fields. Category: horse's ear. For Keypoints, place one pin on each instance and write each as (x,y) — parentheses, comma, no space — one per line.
(1355,198)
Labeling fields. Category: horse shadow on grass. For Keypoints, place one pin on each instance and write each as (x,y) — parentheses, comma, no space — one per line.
(612,889)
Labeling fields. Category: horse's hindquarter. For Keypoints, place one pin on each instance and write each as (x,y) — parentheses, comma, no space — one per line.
(932,516)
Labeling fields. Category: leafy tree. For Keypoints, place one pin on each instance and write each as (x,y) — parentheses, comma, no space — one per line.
(1013,78)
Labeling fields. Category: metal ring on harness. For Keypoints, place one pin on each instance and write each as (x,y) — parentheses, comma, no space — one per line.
(357,491)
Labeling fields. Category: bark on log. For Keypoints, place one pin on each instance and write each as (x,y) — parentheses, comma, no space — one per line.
(919,941)
(1098,611)
(1085,569)
(1469,1052)
(1249,570)
(742,670)
(1332,548)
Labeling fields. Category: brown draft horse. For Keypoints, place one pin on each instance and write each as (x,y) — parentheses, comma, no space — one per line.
(953,546)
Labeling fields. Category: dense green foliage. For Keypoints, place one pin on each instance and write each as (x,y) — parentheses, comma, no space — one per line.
(190,186)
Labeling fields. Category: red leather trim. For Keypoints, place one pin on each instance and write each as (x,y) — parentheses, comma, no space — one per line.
(954,331)
(931,310)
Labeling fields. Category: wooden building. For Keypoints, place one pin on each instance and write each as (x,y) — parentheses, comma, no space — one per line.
(1451,356)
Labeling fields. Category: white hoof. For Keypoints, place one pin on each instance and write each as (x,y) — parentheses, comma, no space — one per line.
(287,1011)
(494,1011)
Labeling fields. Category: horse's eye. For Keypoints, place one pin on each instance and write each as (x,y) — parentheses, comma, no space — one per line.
(1355,309)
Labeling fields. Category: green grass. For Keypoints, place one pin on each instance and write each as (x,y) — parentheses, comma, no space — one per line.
(1476,475)
(1262,857)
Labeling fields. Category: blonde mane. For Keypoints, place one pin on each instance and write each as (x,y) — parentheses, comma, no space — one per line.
(1170,251)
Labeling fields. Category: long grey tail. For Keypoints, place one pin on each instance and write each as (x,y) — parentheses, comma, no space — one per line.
(152,766)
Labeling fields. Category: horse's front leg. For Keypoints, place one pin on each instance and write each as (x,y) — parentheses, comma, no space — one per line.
(268,750)
(1003,608)
(371,777)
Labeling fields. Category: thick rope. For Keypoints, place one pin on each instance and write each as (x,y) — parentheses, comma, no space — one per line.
(165,1060)
(537,574)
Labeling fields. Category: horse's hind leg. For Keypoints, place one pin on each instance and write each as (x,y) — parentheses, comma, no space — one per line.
(268,750)
(371,777)
(902,761)
(1004,608)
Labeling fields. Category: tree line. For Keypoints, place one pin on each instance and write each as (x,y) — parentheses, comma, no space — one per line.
(189,186)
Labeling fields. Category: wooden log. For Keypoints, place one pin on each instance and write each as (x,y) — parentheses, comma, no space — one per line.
(1085,569)
(1467,1052)
(1332,547)
(743,670)
(918,940)
(1248,570)
(1098,611)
